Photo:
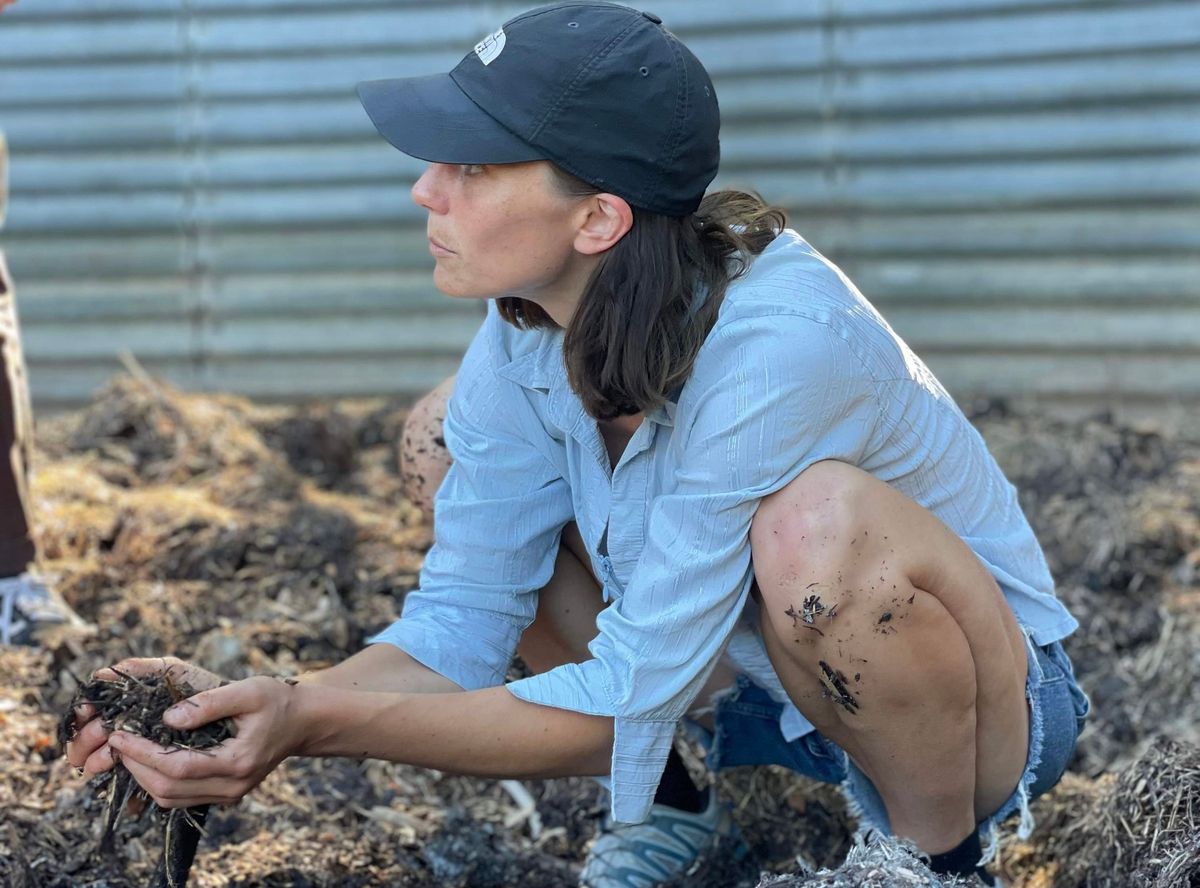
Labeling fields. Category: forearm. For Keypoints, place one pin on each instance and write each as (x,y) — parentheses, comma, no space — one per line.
(384,668)
(485,733)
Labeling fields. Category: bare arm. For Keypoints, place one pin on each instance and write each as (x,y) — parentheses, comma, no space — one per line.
(487,733)
(381,703)
(381,667)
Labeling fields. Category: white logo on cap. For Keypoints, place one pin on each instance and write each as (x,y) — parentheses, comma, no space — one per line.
(490,47)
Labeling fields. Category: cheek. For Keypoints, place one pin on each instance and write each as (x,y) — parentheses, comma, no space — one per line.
(521,247)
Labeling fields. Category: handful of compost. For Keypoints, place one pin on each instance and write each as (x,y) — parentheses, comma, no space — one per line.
(136,704)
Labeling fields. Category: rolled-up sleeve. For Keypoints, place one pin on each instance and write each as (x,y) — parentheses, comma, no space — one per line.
(770,395)
(498,517)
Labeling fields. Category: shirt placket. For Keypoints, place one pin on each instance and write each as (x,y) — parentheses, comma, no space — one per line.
(627,505)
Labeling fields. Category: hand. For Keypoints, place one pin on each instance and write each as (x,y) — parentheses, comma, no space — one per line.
(89,748)
(263,713)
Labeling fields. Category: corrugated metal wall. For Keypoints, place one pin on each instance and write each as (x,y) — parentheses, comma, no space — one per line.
(1015,183)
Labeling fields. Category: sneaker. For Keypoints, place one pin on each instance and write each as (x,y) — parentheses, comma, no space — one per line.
(664,846)
(28,606)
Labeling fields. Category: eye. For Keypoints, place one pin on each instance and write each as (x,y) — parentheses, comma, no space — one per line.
(471,169)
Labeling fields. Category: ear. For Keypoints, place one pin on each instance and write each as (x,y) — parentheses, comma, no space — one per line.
(607,221)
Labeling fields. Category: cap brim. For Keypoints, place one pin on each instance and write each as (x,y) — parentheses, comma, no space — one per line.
(430,118)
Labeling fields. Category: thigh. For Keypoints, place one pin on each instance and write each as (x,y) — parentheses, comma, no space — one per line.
(567,609)
(565,622)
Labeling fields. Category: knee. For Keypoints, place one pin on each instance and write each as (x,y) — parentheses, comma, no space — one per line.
(818,550)
(423,457)
(814,521)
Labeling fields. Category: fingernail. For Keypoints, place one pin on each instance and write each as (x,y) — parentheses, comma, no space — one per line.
(173,716)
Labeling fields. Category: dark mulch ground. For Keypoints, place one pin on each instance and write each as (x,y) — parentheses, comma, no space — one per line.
(274,540)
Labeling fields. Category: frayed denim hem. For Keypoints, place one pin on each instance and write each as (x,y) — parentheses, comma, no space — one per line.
(989,832)
(864,802)
(748,733)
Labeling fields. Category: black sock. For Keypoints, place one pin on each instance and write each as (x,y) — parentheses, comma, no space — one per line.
(676,789)
(962,860)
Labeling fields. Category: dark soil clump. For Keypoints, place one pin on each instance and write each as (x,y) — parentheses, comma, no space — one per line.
(319,441)
(136,704)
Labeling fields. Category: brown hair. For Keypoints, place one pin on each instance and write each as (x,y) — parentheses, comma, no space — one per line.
(637,329)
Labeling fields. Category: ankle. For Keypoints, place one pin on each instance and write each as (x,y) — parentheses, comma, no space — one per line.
(962,860)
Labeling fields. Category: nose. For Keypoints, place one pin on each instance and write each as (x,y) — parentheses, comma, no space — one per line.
(426,193)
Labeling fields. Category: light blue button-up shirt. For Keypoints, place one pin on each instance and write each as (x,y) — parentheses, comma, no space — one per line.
(799,367)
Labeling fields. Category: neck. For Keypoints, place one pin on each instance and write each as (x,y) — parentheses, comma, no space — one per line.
(627,424)
(561,299)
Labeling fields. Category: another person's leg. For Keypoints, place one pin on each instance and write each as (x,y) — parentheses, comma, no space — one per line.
(16,543)
(895,641)
(27,605)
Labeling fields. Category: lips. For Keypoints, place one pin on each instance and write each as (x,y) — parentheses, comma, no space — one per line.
(437,243)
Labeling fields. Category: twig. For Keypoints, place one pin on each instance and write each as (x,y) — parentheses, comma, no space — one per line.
(526,807)
(134,368)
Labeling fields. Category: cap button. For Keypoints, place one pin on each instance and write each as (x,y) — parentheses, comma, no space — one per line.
(652,17)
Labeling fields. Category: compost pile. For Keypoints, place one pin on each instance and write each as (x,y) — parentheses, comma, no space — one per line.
(256,540)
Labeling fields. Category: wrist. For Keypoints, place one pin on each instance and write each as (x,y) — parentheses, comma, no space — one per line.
(331,720)
(304,717)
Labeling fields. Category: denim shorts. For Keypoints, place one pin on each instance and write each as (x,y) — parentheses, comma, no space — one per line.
(747,733)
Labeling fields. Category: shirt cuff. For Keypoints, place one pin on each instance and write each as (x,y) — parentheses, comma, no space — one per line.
(640,746)
(438,646)
(575,686)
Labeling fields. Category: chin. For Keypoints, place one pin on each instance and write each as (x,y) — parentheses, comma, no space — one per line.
(447,287)
(457,292)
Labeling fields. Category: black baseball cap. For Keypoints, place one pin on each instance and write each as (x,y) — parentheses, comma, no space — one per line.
(602,90)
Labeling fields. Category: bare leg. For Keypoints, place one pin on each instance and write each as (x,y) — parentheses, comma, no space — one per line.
(896,643)
(424,459)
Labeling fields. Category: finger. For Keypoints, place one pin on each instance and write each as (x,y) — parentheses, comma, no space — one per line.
(87,740)
(179,670)
(178,764)
(208,706)
(98,762)
(135,748)
(143,666)
(171,792)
